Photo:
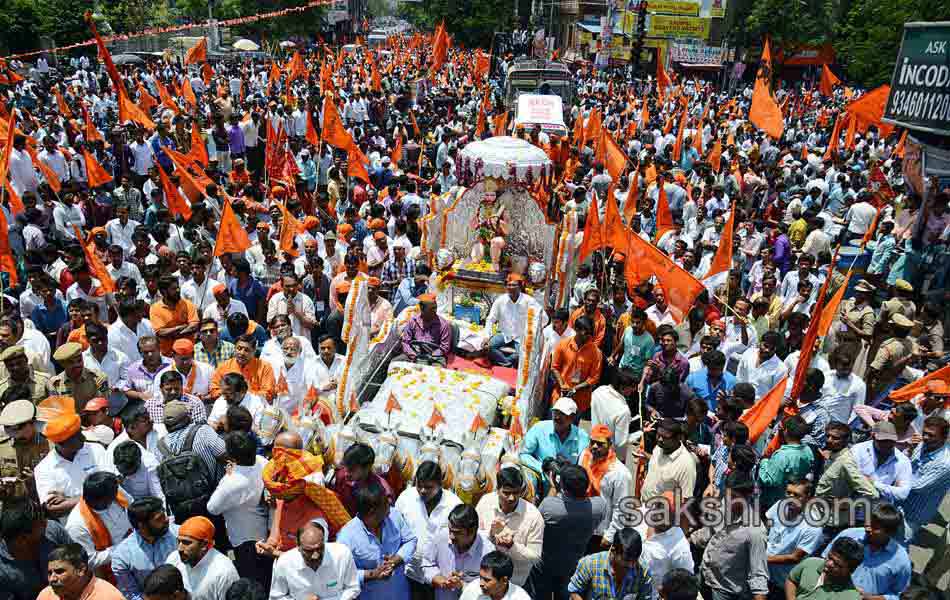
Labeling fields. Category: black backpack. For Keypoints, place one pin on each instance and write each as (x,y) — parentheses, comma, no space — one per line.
(185,480)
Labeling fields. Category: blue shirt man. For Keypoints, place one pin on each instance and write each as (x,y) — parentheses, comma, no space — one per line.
(886,569)
(710,382)
(930,482)
(557,437)
(149,547)
(792,536)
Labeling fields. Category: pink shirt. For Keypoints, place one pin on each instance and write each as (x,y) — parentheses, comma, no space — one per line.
(97,589)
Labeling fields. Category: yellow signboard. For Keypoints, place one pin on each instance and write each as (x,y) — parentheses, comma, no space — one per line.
(628,21)
(584,37)
(674,7)
(622,53)
(679,27)
(661,45)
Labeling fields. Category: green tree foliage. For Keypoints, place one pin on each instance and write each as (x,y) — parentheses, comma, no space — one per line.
(791,23)
(62,20)
(471,22)
(308,22)
(869,38)
(19,23)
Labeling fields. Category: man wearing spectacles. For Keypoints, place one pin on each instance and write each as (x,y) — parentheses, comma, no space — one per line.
(211,349)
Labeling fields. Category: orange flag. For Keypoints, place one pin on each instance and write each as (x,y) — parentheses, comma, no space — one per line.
(440,48)
(415,126)
(630,207)
(662,79)
(869,234)
(436,418)
(207,74)
(396,155)
(594,126)
(355,167)
(644,113)
(828,81)
(760,417)
(500,124)
(482,64)
(615,160)
(166,98)
(146,101)
(16,205)
(722,260)
(852,129)
(95,174)
(765,112)
(333,131)
(8,146)
(176,204)
(830,312)
(312,138)
(7,262)
(869,109)
(189,94)
(92,134)
(61,104)
(392,404)
(715,156)
(664,216)
(578,133)
(231,236)
(296,68)
(835,135)
(615,236)
(52,180)
(910,390)
(96,268)
(593,232)
(678,146)
(198,150)
(901,143)
(290,226)
(197,53)
(481,124)
(478,423)
(377,84)
(644,260)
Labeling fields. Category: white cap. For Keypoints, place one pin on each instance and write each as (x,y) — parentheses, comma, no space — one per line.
(565,405)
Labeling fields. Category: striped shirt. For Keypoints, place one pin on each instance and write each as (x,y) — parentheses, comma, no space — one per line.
(208,445)
(931,481)
(156,409)
(593,579)
(222,352)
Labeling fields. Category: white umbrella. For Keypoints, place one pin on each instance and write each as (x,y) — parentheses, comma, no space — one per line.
(247,45)
(287,44)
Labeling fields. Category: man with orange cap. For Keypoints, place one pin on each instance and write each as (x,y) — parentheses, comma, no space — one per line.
(61,474)
(196,374)
(609,478)
(223,306)
(427,334)
(206,572)
(351,267)
(380,310)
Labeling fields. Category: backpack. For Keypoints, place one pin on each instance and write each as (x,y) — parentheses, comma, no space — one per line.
(185,480)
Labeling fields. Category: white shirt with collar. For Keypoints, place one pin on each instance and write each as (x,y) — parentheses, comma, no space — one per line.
(732,342)
(127,269)
(524,523)
(101,301)
(841,394)
(121,235)
(199,294)
(202,379)
(608,407)
(213,311)
(126,341)
(116,520)
(443,558)
(115,365)
(210,579)
(425,524)
(660,317)
(238,499)
(325,373)
(762,376)
(473,591)
(511,316)
(251,402)
(615,485)
(36,343)
(278,305)
(335,579)
(273,353)
(56,474)
(662,552)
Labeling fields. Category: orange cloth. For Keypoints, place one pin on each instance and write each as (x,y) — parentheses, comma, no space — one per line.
(600,324)
(596,469)
(198,528)
(577,365)
(163,316)
(258,374)
(96,589)
(62,428)
(101,538)
(79,336)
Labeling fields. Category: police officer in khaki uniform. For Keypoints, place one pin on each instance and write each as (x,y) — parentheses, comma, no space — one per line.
(21,449)
(19,373)
(891,358)
(76,380)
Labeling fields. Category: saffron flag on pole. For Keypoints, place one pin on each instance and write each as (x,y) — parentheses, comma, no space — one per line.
(198,150)
(835,135)
(761,415)
(664,216)
(7,262)
(644,260)
(831,310)
(593,232)
(231,236)
(333,131)
(614,236)
(765,112)
(128,111)
(176,204)
(910,390)
(828,81)
(197,53)
(715,156)
(290,226)
(312,138)
(722,260)
(396,155)
(96,268)
(95,174)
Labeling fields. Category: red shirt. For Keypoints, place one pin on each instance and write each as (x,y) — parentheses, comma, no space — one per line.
(345,487)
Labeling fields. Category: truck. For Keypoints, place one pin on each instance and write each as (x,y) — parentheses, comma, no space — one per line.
(538,76)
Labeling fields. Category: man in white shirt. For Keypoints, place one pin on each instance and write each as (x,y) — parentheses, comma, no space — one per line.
(494,580)
(426,507)
(196,375)
(329,367)
(315,568)
(843,390)
(454,554)
(859,217)
(609,406)
(556,331)
(659,313)
(238,499)
(609,477)
(234,393)
(207,574)
(298,307)
(54,159)
(61,474)
(510,312)
(98,503)
(20,169)
(667,549)
(760,366)
(120,229)
(223,306)
(295,373)
(125,332)
(514,525)
(100,357)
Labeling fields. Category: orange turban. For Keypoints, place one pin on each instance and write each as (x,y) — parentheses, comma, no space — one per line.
(601,433)
(427,298)
(515,278)
(278,191)
(343,288)
(373,282)
(377,224)
(311,222)
(344,229)
(198,528)
(183,347)
(218,289)
(63,427)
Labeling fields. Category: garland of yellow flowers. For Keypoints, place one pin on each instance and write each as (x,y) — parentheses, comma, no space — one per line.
(449,210)
(351,301)
(525,360)
(348,321)
(383,332)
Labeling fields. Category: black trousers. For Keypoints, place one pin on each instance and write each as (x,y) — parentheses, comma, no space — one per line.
(252,565)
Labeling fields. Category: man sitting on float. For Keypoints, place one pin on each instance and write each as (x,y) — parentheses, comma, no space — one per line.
(427,337)
(510,312)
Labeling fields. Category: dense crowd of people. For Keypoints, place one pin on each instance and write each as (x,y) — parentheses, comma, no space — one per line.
(150,450)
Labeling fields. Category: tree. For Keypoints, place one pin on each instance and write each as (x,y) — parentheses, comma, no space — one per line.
(792,23)
(19,23)
(869,38)
(62,20)
(471,22)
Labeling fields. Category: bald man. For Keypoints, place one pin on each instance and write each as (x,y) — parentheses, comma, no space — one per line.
(313,565)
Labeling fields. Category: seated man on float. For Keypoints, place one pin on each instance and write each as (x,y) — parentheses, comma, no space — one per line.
(510,312)
(427,336)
